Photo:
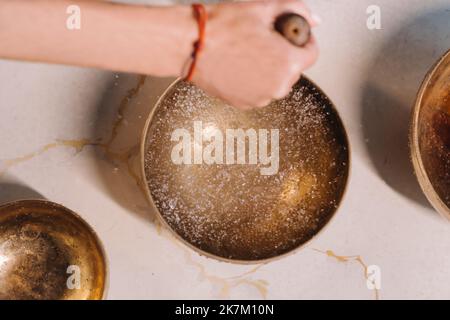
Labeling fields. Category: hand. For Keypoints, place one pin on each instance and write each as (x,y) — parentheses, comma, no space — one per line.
(244,60)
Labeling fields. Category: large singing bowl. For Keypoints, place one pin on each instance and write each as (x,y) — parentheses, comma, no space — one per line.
(257,194)
(48,253)
(430,136)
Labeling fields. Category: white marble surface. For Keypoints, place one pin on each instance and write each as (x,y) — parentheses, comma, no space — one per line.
(372,77)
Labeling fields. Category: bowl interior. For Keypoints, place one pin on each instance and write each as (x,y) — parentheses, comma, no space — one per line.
(48,252)
(245,185)
(431,135)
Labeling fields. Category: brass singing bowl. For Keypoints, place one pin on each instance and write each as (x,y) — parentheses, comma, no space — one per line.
(430,136)
(47,252)
(232,212)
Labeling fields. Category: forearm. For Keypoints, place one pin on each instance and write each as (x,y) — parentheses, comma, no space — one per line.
(152,40)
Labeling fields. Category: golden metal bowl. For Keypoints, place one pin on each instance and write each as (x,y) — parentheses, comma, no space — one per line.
(430,136)
(234,212)
(47,252)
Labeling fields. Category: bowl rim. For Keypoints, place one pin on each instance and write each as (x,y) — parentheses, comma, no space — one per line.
(49,204)
(419,167)
(228,260)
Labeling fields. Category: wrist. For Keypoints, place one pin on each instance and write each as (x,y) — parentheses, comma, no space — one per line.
(175,30)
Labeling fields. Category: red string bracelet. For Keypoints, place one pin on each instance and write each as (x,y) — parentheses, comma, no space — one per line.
(201,17)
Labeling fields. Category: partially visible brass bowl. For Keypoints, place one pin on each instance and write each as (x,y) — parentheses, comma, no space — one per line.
(232,212)
(430,136)
(47,252)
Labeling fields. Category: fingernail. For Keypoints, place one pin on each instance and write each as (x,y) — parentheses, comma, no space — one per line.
(317,20)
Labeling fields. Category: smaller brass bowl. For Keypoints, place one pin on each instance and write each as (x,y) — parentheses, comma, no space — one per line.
(47,252)
(430,136)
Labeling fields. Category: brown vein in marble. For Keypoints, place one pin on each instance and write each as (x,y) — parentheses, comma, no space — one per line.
(131,93)
(251,271)
(227,284)
(355,258)
(126,156)
(78,145)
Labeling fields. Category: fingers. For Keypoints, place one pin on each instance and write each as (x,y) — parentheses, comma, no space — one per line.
(246,102)
(269,64)
(308,54)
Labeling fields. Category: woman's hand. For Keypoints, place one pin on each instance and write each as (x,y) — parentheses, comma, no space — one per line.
(244,60)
